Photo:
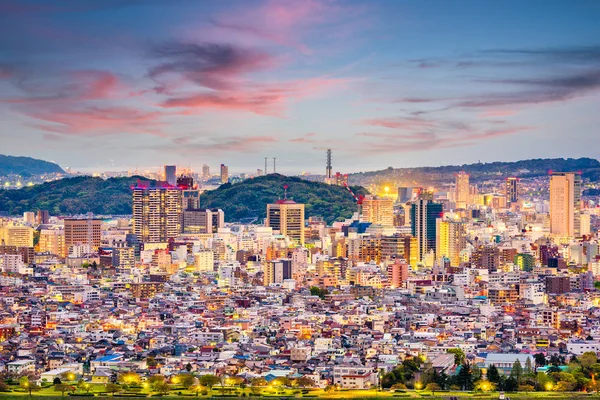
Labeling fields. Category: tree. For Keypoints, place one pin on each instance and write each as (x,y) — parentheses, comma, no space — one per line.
(317,291)
(154,379)
(129,378)
(197,389)
(493,375)
(161,387)
(517,371)
(304,382)
(485,385)
(459,356)
(186,380)
(540,359)
(62,388)
(209,380)
(56,381)
(329,389)
(464,379)
(30,387)
(188,367)
(112,388)
(528,370)
(511,384)
(587,359)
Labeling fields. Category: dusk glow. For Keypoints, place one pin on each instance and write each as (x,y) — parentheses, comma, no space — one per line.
(402,83)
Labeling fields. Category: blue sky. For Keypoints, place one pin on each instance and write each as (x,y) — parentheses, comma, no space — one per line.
(119,84)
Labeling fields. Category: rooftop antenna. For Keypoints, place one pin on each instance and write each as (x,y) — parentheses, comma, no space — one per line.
(266,165)
(285,188)
(274,165)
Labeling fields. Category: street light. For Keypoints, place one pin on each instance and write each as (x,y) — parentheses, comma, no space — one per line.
(548,386)
(418,385)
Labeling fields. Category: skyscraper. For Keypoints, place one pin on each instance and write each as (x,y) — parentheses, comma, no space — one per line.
(205,172)
(378,211)
(157,213)
(424,215)
(43,217)
(404,194)
(287,217)
(224,173)
(565,207)
(171,174)
(512,190)
(328,168)
(451,240)
(462,190)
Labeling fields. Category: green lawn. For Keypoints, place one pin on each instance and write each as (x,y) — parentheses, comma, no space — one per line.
(98,390)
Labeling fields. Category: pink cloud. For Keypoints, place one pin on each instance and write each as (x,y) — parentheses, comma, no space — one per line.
(497,113)
(308,138)
(399,123)
(96,120)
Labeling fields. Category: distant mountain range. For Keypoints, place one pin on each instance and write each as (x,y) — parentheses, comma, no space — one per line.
(27,166)
(424,176)
(244,200)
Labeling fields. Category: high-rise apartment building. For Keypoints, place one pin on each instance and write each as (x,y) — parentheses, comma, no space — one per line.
(83,232)
(203,221)
(205,172)
(378,211)
(565,207)
(462,190)
(53,242)
(287,217)
(224,173)
(404,194)
(397,273)
(157,213)
(512,190)
(424,215)
(16,235)
(451,240)
(29,217)
(171,174)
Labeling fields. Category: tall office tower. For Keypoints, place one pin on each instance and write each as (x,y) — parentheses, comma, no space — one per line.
(565,207)
(512,190)
(29,217)
(287,217)
(424,215)
(157,213)
(83,232)
(205,172)
(378,211)
(462,190)
(451,240)
(328,168)
(171,174)
(404,194)
(277,271)
(203,221)
(224,173)
(43,217)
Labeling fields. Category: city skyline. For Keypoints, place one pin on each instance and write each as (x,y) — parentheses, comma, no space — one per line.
(388,83)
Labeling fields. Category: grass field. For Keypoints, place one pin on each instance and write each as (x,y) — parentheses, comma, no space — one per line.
(98,391)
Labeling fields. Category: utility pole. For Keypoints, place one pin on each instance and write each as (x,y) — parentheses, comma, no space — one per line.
(274,165)
(266,165)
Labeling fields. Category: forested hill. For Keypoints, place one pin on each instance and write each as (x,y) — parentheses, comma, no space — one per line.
(26,166)
(249,198)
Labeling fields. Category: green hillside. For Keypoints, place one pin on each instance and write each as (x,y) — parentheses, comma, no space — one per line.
(71,196)
(26,166)
(249,198)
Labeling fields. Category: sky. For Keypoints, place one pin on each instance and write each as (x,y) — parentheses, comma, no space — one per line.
(135,84)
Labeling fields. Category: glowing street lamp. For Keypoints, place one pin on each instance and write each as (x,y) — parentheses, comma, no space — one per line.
(549,386)
(418,386)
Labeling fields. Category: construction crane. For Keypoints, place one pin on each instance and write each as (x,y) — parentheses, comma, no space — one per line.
(359,199)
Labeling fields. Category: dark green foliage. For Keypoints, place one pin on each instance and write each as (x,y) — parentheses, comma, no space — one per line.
(26,166)
(249,198)
(317,291)
(72,196)
(493,375)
